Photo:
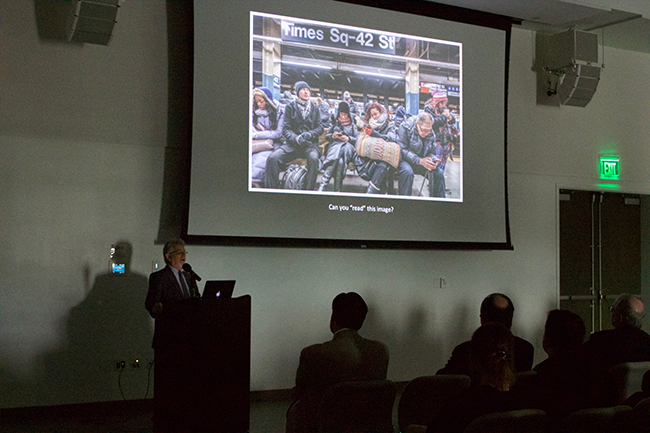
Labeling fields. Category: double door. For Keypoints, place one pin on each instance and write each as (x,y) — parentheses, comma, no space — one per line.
(601,252)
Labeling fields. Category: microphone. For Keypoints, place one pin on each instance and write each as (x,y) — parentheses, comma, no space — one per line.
(188,268)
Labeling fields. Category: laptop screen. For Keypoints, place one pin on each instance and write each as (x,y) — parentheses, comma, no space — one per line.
(218,289)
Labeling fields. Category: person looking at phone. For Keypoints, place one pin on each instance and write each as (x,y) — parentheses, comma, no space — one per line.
(417,143)
(342,136)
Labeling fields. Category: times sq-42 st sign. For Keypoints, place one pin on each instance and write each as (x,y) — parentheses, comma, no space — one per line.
(336,37)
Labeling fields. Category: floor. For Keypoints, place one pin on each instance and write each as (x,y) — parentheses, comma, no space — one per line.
(265,417)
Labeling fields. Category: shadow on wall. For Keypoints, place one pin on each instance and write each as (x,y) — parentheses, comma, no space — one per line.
(415,344)
(109,326)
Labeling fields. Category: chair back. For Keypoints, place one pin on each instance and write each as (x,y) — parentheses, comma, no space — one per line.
(625,379)
(516,421)
(595,420)
(359,406)
(638,419)
(424,396)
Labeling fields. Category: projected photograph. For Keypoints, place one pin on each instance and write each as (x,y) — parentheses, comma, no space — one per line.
(341,110)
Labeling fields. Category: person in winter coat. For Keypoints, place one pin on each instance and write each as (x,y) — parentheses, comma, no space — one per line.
(267,123)
(341,138)
(302,127)
(417,143)
(378,125)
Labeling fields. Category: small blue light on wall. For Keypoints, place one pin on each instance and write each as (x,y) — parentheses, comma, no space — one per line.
(609,167)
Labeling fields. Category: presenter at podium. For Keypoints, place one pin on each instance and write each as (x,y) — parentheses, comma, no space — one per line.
(172,283)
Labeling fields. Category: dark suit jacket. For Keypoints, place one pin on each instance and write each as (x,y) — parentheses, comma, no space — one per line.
(459,361)
(164,288)
(346,357)
(562,385)
(605,349)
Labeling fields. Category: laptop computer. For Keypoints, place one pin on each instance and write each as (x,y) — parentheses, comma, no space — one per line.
(218,289)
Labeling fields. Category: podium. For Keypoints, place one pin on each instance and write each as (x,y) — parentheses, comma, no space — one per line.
(202,369)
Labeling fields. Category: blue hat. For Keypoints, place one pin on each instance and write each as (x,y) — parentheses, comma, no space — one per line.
(265,93)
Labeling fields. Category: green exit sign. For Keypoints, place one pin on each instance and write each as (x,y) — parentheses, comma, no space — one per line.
(609,167)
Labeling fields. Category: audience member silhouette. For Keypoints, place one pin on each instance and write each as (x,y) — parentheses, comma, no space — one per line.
(498,308)
(346,357)
(627,342)
(562,384)
(492,376)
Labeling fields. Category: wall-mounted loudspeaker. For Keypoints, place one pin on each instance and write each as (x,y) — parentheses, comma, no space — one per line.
(578,85)
(92,21)
(568,68)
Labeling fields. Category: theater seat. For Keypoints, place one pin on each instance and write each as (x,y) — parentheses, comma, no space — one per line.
(597,420)
(355,407)
(516,421)
(638,419)
(425,395)
(625,379)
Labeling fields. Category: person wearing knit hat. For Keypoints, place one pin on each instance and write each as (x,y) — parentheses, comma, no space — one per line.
(353,107)
(342,137)
(301,85)
(439,96)
(400,116)
(267,126)
(302,128)
(343,107)
(286,97)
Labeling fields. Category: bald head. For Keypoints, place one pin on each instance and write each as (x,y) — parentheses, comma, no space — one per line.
(498,308)
(627,311)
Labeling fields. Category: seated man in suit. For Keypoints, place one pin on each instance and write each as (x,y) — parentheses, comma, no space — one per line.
(627,342)
(562,384)
(346,357)
(498,308)
(171,283)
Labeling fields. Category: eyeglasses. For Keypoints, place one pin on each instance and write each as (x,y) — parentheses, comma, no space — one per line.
(182,253)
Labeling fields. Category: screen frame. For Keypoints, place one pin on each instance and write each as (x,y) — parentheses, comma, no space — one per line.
(423,8)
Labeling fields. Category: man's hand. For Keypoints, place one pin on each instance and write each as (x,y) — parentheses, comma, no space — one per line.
(157,309)
(429,163)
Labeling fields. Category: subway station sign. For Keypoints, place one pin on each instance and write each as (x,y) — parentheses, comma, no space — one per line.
(338,37)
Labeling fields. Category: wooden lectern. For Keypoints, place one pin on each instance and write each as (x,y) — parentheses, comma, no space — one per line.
(202,366)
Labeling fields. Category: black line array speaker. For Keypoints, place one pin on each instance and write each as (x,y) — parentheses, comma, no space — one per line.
(92,21)
(578,85)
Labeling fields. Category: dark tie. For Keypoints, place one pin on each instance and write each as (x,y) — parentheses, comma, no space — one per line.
(186,291)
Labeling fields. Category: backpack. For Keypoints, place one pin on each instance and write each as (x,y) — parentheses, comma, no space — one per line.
(295,177)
